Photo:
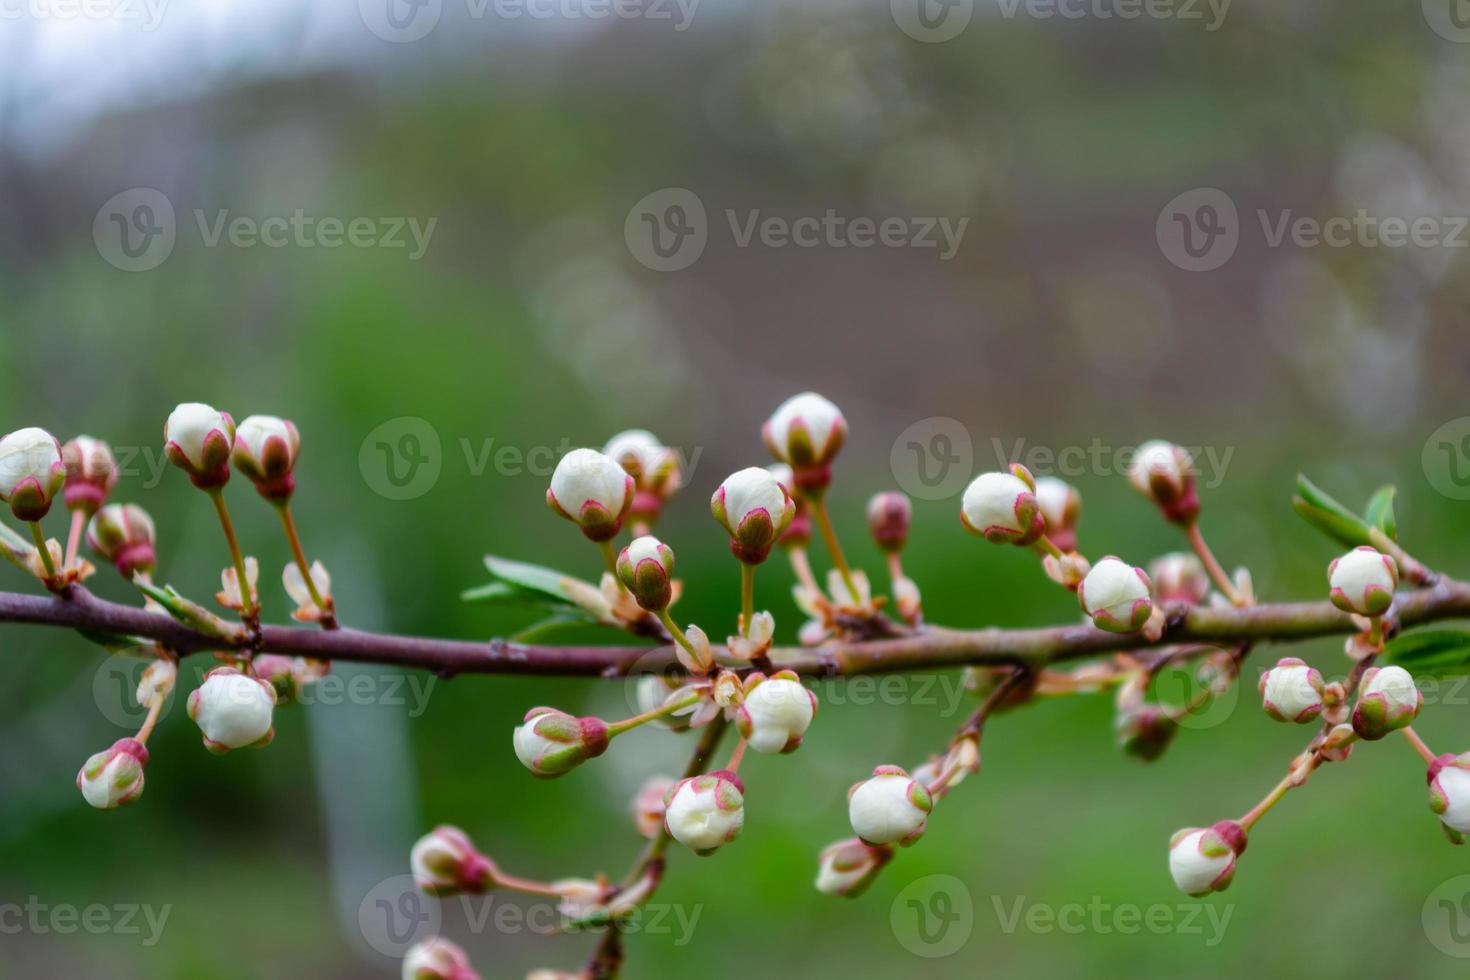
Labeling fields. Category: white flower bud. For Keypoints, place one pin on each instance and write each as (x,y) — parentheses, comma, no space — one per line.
(653,466)
(754,509)
(265,451)
(646,567)
(32,472)
(233,710)
(1179,577)
(1388,700)
(776,713)
(1202,859)
(1116,595)
(648,805)
(592,490)
(847,867)
(889,808)
(1363,581)
(806,431)
(1449,792)
(115,777)
(437,959)
(124,535)
(198,439)
(551,742)
(91,473)
(1061,506)
(889,516)
(1002,508)
(1164,473)
(703,812)
(446,862)
(1292,691)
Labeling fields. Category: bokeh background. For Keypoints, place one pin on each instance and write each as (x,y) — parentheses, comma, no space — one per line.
(536,319)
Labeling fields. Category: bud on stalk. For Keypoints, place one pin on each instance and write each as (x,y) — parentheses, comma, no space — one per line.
(91,473)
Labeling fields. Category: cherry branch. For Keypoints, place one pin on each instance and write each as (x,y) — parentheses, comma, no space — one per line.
(933,648)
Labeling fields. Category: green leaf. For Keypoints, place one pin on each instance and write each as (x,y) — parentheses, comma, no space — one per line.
(190,613)
(502,593)
(572,619)
(523,575)
(1430,652)
(119,642)
(1380,511)
(1328,516)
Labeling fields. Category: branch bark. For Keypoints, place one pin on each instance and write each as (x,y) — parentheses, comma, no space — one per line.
(935,648)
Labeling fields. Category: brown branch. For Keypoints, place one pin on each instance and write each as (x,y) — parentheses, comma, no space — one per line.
(933,648)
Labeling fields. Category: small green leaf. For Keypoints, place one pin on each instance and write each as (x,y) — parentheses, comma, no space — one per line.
(523,575)
(1380,511)
(1430,652)
(1328,516)
(502,593)
(119,642)
(190,613)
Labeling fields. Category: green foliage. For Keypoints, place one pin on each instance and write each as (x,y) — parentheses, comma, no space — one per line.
(1431,653)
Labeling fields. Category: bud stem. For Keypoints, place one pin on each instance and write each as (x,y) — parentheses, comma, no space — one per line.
(74,536)
(1262,808)
(288,522)
(247,594)
(526,885)
(39,537)
(153,711)
(819,509)
(628,724)
(747,597)
(802,567)
(1045,546)
(1207,557)
(1424,751)
(737,754)
(610,559)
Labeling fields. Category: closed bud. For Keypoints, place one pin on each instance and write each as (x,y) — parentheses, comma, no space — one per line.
(703,812)
(648,805)
(551,742)
(1164,473)
(889,808)
(702,658)
(289,676)
(776,713)
(805,432)
(1002,507)
(646,567)
(1061,507)
(437,959)
(1363,581)
(1116,595)
(592,490)
(91,473)
(1388,700)
(889,517)
(754,509)
(1449,794)
(849,866)
(124,535)
(31,472)
(157,682)
(198,440)
(1292,691)
(653,466)
(445,862)
(1179,577)
(1145,731)
(114,778)
(232,710)
(799,532)
(265,451)
(1202,860)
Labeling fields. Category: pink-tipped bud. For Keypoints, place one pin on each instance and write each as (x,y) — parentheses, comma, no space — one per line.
(32,472)
(1363,581)
(889,808)
(1179,577)
(124,535)
(91,473)
(776,712)
(704,812)
(198,440)
(114,778)
(1145,731)
(648,805)
(1117,596)
(646,568)
(849,866)
(754,509)
(233,710)
(1292,691)
(591,490)
(653,466)
(1164,473)
(437,959)
(1061,506)
(799,532)
(1449,794)
(889,516)
(1202,859)
(806,432)
(551,743)
(1388,699)
(446,862)
(1002,507)
(265,451)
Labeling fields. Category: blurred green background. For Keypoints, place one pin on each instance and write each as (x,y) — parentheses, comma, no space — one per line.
(531,324)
